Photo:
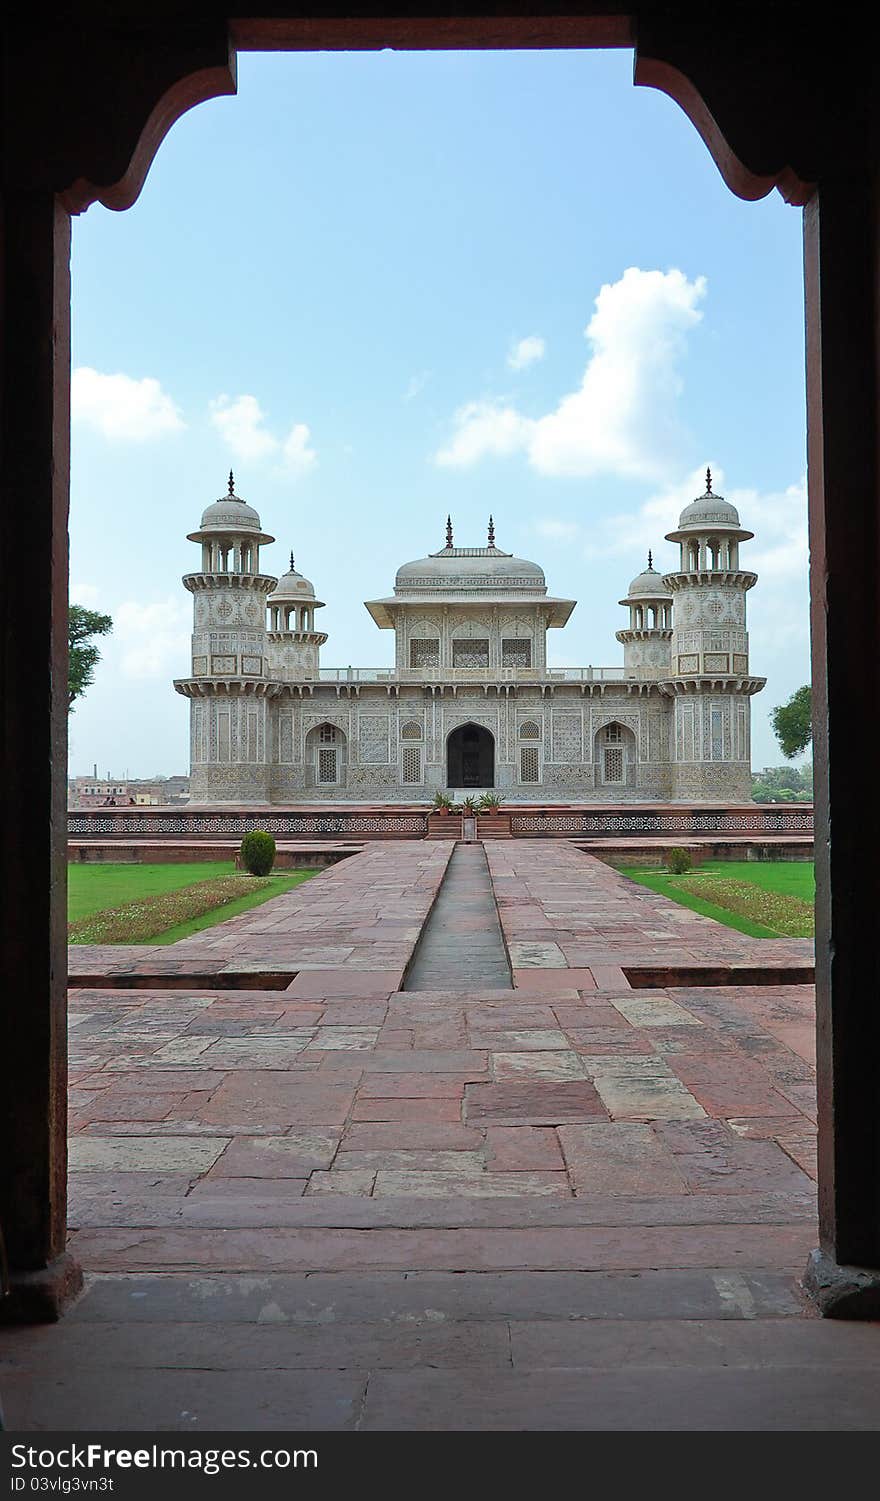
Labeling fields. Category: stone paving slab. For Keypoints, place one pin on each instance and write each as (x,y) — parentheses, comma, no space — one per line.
(351,1152)
(415,1352)
(336,924)
(554,897)
(242,1107)
(732,1398)
(183,1401)
(277,1344)
(666,1399)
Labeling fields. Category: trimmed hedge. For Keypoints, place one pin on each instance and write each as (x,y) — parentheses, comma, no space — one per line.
(678,861)
(258,852)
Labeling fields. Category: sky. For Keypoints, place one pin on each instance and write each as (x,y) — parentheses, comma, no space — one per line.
(387,286)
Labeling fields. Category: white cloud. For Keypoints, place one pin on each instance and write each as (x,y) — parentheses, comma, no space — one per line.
(779,604)
(241,422)
(781,547)
(526,351)
(153,639)
(646,527)
(623,419)
(482,428)
(297,457)
(778,518)
(120,407)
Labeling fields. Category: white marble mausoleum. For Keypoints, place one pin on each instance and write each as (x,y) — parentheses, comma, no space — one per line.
(471,702)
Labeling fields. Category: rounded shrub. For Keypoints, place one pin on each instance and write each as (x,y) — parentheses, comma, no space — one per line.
(678,861)
(258,852)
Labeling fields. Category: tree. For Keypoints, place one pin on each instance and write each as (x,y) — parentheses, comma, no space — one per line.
(82,625)
(783,784)
(793,722)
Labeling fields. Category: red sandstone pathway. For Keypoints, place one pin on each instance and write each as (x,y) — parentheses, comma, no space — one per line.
(368,1199)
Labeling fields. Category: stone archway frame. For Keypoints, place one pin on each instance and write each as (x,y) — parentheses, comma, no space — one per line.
(87,106)
(629,743)
(155,72)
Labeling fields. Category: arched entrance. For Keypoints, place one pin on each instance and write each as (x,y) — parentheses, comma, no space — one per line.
(325,756)
(470,757)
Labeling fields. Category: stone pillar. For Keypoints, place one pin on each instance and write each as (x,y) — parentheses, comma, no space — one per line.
(33,694)
(842,266)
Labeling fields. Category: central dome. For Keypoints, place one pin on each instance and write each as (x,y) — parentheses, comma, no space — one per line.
(468,577)
(470,568)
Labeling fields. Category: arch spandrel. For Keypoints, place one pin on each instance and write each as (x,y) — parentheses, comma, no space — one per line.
(747,84)
(88,106)
(88,110)
(194,88)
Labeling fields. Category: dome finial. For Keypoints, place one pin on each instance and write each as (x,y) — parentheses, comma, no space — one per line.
(292,566)
(708,481)
(491,532)
(449,531)
(231,483)
(650,558)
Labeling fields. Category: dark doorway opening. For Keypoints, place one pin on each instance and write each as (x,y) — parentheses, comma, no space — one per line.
(470,757)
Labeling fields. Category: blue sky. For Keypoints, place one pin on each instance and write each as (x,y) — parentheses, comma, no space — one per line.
(365,283)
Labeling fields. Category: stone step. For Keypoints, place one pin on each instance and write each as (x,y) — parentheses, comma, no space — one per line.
(339,1297)
(521,1248)
(252,1203)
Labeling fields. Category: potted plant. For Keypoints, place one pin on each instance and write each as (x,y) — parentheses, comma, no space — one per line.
(469,806)
(442,802)
(490,802)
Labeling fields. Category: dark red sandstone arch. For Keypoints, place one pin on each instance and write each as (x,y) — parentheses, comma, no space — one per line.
(87,103)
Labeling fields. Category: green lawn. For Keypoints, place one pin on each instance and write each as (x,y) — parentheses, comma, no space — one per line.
(764,898)
(97,888)
(163,903)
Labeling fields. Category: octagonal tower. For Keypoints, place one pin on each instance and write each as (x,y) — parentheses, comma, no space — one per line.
(646,641)
(229,680)
(294,646)
(710,676)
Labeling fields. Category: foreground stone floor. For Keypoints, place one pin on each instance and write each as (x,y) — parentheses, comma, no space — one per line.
(349,1204)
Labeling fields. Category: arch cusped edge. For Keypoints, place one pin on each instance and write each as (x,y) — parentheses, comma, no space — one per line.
(744,181)
(181,96)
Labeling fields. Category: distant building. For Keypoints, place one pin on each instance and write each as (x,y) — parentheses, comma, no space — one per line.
(160,790)
(471,702)
(92,792)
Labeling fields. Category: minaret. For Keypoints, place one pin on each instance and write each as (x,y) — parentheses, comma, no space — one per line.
(294,645)
(710,652)
(229,681)
(646,641)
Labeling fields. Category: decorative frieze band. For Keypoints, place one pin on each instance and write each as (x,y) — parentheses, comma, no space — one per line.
(89,824)
(93,823)
(599,822)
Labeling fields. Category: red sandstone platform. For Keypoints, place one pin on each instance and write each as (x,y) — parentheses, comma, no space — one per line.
(288,853)
(573,1204)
